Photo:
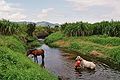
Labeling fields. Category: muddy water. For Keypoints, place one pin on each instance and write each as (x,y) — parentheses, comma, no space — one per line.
(60,65)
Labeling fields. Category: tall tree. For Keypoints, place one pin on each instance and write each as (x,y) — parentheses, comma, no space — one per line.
(31,28)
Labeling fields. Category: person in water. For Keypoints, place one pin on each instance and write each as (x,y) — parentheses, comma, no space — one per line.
(78,62)
(82,63)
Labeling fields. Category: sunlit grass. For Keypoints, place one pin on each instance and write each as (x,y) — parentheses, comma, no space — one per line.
(15,65)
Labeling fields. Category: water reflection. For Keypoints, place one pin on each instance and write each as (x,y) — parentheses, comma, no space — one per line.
(78,72)
(59,65)
(40,61)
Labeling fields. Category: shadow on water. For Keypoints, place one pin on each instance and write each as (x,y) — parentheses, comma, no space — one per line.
(64,68)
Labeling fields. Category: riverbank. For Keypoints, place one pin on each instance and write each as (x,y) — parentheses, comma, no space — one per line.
(102,48)
(15,65)
(60,62)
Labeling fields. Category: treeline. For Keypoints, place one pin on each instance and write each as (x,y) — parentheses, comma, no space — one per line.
(28,29)
(24,31)
(110,28)
(44,31)
(9,28)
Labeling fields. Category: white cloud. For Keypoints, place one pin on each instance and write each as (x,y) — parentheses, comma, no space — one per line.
(49,14)
(17,16)
(45,13)
(115,13)
(10,11)
(110,8)
(47,10)
(87,10)
(85,4)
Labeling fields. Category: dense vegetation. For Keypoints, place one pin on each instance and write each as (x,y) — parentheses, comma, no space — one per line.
(8,28)
(43,31)
(99,40)
(54,37)
(111,28)
(14,64)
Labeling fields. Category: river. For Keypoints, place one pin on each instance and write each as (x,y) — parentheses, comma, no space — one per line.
(61,66)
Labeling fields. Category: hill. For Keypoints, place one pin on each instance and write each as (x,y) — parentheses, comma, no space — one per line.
(44,23)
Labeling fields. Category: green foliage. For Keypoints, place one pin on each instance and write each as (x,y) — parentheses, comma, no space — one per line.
(30,28)
(13,43)
(114,53)
(108,47)
(54,37)
(8,28)
(22,30)
(103,40)
(16,66)
(42,32)
(33,44)
(85,47)
(74,45)
(111,28)
(77,29)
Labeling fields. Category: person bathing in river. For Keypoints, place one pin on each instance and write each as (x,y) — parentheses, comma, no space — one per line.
(82,63)
(78,62)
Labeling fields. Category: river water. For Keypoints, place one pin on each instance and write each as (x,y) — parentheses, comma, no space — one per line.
(61,66)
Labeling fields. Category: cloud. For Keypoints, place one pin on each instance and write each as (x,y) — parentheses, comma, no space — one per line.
(17,16)
(50,14)
(85,4)
(45,13)
(105,9)
(11,11)
(75,10)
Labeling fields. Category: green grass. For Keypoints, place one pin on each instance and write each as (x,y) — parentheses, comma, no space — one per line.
(15,65)
(109,47)
(103,40)
(13,43)
(114,53)
(85,47)
(54,37)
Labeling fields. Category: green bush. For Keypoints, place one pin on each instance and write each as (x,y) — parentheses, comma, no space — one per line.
(8,28)
(33,44)
(13,43)
(54,37)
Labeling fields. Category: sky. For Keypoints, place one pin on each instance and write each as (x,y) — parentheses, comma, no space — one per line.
(60,11)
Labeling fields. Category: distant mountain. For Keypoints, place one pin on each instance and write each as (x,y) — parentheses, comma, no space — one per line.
(44,23)
(24,22)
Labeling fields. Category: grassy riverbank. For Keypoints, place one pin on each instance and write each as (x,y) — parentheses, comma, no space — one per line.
(103,48)
(15,65)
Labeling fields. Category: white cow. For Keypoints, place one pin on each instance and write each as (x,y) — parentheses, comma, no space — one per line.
(86,64)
